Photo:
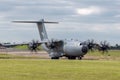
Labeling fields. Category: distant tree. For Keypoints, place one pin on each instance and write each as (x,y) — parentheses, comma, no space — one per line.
(116,45)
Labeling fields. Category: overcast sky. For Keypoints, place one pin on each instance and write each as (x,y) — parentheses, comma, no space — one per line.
(78,19)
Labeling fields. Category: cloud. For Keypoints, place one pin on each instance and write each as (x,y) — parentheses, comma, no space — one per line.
(89,11)
(82,18)
(117,16)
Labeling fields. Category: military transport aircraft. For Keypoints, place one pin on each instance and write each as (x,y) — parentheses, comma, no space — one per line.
(58,48)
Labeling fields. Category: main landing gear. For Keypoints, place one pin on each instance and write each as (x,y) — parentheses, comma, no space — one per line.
(74,57)
(54,57)
(69,57)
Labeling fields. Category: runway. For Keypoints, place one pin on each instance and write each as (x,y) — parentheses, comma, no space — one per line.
(40,54)
(26,53)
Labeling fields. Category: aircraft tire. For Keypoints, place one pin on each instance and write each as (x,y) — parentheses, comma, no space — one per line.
(80,58)
(54,57)
(71,57)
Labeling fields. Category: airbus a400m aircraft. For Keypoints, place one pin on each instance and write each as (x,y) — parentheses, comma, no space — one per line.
(58,48)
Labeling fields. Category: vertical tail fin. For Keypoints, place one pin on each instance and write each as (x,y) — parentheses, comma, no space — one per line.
(41,28)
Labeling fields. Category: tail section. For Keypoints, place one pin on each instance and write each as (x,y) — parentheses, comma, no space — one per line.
(42,31)
(41,28)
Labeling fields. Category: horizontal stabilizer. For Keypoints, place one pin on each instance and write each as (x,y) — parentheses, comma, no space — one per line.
(35,22)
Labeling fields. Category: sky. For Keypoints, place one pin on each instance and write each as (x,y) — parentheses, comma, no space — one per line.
(78,19)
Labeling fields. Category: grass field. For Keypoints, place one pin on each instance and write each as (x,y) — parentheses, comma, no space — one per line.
(33,68)
(37,69)
(25,47)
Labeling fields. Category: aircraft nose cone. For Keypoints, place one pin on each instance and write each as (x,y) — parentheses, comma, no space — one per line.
(84,49)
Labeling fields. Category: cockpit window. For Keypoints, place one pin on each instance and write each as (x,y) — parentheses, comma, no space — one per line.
(80,44)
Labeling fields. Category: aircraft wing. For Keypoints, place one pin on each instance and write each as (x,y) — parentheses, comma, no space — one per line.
(20,44)
(12,45)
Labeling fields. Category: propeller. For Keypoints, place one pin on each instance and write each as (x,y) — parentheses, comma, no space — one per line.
(90,44)
(55,44)
(33,46)
(104,46)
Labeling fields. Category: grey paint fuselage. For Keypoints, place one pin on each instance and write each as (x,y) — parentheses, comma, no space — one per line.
(73,48)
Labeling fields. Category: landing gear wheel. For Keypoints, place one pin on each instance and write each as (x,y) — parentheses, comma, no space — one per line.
(72,57)
(54,57)
(80,58)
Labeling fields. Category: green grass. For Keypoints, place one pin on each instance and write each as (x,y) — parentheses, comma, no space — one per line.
(10,56)
(25,47)
(35,69)
(13,67)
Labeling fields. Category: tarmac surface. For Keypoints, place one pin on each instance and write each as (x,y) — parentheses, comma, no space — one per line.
(27,53)
(40,54)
